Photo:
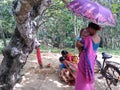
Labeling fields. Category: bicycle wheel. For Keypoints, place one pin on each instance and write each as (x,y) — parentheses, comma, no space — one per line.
(112,74)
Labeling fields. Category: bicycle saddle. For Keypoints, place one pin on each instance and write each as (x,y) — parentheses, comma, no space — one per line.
(106,56)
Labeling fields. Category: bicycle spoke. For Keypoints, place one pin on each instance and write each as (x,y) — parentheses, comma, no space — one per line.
(108,84)
(113,72)
(112,76)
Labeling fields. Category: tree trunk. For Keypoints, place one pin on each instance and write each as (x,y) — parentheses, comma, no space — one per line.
(22,42)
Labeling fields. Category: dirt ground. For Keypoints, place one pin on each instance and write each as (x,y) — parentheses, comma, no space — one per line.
(47,78)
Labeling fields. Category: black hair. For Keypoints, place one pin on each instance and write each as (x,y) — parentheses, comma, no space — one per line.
(81,31)
(64,52)
(94,26)
(61,59)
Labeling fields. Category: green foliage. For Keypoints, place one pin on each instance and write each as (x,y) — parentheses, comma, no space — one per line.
(2,44)
(59,27)
(115,8)
(58,30)
(6,18)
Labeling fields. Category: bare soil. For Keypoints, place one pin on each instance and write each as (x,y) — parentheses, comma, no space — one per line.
(35,78)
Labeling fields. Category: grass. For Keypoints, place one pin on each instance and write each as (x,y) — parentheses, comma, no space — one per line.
(110,51)
(73,50)
(56,50)
(49,49)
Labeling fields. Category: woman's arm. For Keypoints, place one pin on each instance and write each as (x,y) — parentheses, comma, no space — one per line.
(78,44)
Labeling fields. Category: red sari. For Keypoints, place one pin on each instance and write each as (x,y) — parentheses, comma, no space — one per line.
(38,56)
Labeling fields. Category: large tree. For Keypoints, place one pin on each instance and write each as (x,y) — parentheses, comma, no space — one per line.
(22,42)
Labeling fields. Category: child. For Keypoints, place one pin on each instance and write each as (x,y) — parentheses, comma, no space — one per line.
(62,69)
(65,73)
(62,59)
(83,33)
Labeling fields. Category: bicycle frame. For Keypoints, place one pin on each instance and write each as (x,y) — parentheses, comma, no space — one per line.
(102,68)
(106,73)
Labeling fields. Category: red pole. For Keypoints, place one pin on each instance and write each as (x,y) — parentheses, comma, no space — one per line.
(39,57)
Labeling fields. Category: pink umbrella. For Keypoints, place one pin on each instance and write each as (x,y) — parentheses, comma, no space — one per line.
(92,11)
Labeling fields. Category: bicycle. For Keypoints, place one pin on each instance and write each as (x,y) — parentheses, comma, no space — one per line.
(109,70)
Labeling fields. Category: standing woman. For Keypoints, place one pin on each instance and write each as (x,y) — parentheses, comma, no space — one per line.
(87,59)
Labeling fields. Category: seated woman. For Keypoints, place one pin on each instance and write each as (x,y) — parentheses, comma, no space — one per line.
(69,56)
(68,68)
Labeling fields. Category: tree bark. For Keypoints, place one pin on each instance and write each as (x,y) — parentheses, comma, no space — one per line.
(22,42)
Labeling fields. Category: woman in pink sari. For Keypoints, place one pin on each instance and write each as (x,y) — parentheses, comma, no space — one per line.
(87,59)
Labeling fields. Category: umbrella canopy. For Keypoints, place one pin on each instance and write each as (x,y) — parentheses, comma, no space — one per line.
(92,11)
